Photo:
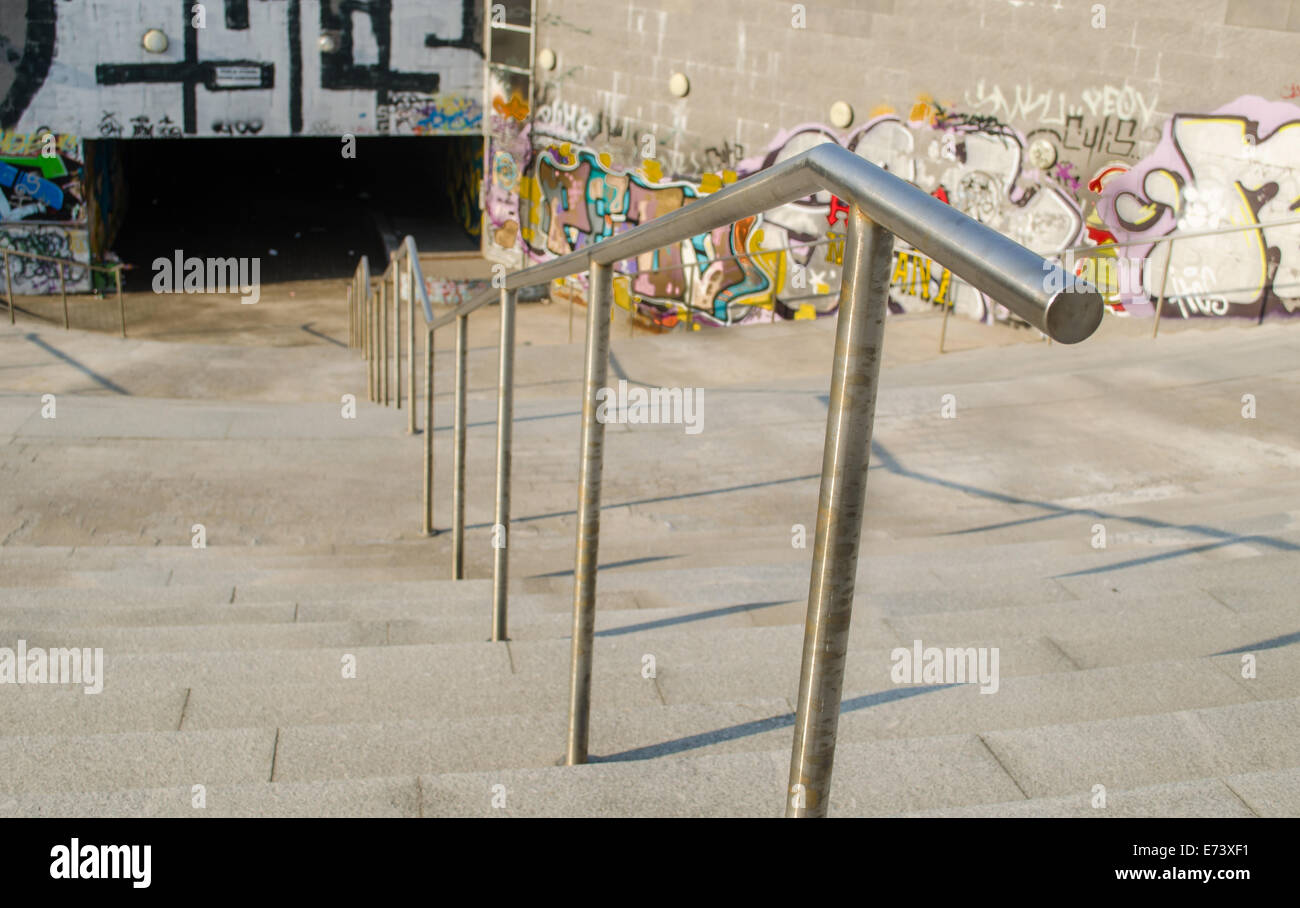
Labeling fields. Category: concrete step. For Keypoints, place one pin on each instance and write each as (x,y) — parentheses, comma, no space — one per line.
(896,776)
(1257,794)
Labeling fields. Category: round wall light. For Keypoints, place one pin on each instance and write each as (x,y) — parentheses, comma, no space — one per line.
(154,41)
(841,114)
(679,85)
(1042,154)
(546,58)
(328,43)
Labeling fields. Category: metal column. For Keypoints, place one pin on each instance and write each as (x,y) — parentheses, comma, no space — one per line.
(863,294)
(397,330)
(458,452)
(592,454)
(428,434)
(505,418)
(410,348)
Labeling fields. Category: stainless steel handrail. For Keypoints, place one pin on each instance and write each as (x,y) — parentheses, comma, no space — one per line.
(1061,305)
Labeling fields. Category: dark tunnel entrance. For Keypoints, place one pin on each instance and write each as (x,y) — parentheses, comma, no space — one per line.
(306,210)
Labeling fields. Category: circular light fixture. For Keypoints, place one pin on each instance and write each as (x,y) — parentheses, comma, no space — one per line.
(154,41)
(328,43)
(546,58)
(679,85)
(1042,154)
(841,114)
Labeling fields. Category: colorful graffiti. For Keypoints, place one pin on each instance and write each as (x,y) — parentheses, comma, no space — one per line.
(41,177)
(43,210)
(1236,166)
(409,113)
(465,178)
(510,153)
(449,292)
(786,262)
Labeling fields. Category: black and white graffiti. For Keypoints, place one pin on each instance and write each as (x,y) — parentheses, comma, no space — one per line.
(241,67)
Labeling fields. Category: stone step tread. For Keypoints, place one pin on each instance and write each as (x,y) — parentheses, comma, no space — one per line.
(1266,794)
(881,777)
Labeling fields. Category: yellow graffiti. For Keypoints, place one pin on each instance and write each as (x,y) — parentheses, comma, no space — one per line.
(25,144)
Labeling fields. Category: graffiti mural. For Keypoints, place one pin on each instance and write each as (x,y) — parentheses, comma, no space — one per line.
(785,263)
(464,179)
(41,177)
(37,276)
(509,156)
(236,68)
(1235,166)
(43,210)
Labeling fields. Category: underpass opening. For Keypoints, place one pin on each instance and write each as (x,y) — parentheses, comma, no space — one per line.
(299,206)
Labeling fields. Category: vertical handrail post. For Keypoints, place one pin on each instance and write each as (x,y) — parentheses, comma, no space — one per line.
(368,305)
(121,306)
(845,458)
(410,346)
(63,292)
(9,288)
(352,318)
(377,339)
(397,328)
(505,432)
(428,433)
(458,451)
(1164,277)
(383,332)
(943,329)
(599,299)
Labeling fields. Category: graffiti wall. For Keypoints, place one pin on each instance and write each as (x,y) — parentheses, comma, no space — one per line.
(785,263)
(1074,173)
(42,209)
(509,159)
(1236,166)
(38,276)
(465,179)
(239,68)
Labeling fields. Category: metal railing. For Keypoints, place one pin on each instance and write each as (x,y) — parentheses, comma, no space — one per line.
(115,269)
(882,206)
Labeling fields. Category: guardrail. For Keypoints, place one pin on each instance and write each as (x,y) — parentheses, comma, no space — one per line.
(1062,306)
(115,269)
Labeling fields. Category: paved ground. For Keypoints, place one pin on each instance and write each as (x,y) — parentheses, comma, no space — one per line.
(1120,666)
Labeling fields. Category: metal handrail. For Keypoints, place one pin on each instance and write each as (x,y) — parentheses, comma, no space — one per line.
(1058,303)
(115,269)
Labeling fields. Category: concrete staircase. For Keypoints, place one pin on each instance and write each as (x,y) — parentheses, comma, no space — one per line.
(1120,666)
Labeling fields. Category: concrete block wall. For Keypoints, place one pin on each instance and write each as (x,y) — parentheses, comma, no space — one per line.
(754,73)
